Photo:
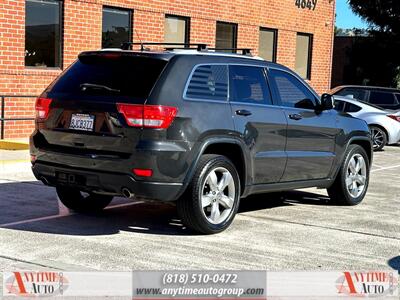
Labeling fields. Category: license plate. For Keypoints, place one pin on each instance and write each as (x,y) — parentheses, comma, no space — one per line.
(82,122)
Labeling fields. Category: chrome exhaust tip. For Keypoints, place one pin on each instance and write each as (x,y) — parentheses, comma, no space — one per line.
(127,193)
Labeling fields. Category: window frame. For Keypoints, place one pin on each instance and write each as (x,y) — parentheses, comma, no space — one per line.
(60,44)
(271,88)
(275,46)
(187,26)
(235,34)
(310,52)
(130,11)
(267,84)
(394,96)
(366,92)
(342,103)
(348,104)
(275,91)
(194,68)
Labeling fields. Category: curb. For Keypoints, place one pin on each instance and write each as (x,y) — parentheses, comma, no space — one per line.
(13,145)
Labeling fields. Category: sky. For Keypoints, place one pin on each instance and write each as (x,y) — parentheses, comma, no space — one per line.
(345,18)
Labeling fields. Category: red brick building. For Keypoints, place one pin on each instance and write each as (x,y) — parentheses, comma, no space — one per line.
(40,38)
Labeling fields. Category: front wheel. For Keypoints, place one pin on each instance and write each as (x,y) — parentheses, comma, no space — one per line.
(75,200)
(352,181)
(211,201)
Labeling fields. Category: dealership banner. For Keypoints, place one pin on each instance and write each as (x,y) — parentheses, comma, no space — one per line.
(199,285)
(77,284)
(339,285)
(254,285)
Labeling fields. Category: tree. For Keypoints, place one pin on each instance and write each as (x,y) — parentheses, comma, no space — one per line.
(338,31)
(381,15)
(380,53)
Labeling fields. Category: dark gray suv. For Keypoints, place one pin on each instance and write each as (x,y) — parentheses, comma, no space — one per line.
(200,128)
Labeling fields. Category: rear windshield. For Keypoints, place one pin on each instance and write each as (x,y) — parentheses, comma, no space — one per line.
(108,75)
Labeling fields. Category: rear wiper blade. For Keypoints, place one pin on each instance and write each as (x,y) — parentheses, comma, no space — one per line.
(85,86)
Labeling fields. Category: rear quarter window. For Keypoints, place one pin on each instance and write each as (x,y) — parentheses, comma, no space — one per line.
(352,108)
(208,82)
(339,105)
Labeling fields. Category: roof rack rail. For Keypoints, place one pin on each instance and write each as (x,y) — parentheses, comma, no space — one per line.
(245,51)
(198,47)
(186,46)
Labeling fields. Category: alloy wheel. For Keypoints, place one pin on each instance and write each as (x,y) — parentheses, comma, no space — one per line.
(218,195)
(356,176)
(377,138)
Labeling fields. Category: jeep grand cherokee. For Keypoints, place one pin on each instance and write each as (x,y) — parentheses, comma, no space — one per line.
(201,128)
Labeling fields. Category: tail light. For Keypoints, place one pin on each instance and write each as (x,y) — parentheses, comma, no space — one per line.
(396,118)
(42,108)
(147,116)
(143,172)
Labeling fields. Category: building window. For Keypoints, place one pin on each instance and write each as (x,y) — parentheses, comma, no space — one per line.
(176,29)
(226,37)
(43,33)
(268,44)
(304,55)
(116,27)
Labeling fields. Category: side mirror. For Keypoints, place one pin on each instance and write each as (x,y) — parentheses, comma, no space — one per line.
(327,102)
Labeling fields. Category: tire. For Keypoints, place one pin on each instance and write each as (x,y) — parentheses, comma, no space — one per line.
(205,207)
(73,199)
(351,183)
(379,138)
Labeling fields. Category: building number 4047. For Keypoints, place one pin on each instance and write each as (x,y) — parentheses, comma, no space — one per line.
(310,4)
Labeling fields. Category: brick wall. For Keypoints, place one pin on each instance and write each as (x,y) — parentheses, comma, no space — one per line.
(82,31)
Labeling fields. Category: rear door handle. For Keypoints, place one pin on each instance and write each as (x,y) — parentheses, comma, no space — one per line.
(243,112)
(295,117)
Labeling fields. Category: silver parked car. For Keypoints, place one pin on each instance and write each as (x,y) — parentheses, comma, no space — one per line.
(385,127)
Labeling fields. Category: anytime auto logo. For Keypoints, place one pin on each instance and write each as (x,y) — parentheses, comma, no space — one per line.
(367,284)
(35,284)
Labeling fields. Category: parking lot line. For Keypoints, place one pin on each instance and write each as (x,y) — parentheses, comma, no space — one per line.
(386,168)
(62,215)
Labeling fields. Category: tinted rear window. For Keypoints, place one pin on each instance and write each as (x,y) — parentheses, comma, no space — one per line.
(339,105)
(382,98)
(352,108)
(122,75)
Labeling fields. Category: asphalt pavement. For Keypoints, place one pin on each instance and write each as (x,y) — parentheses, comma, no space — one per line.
(297,230)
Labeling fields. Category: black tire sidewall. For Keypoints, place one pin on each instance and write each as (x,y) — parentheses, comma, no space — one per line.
(219,161)
(354,149)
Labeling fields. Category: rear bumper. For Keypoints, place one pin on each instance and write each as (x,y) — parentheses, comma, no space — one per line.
(104,182)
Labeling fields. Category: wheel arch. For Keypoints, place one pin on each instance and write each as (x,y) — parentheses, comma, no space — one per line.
(365,143)
(362,141)
(229,147)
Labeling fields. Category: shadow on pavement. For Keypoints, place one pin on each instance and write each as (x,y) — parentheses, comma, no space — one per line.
(27,205)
